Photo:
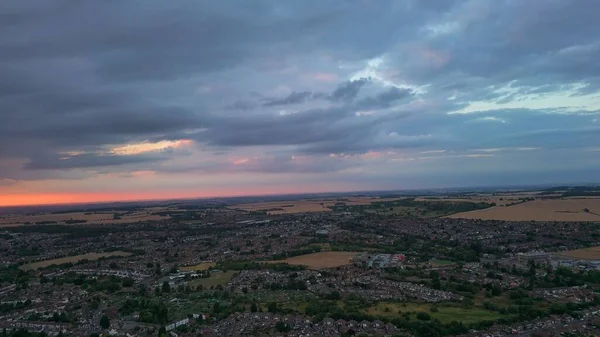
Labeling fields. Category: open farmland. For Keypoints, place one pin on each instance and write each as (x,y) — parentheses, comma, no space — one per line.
(92,218)
(487,199)
(592,253)
(321,260)
(73,259)
(303,206)
(584,209)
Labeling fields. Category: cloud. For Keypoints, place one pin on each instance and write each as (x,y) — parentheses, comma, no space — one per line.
(293,98)
(325,77)
(241,105)
(117,91)
(348,91)
(489,119)
(7,182)
(89,160)
(385,99)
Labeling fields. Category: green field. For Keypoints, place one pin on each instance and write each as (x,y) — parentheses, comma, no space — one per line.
(73,259)
(216,278)
(445,314)
(198,267)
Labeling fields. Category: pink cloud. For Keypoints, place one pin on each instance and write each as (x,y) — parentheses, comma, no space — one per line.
(325,77)
(435,57)
(372,154)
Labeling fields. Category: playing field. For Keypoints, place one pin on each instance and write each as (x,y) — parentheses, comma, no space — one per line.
(201,266)
(321,260)
(440,263)
(592,253)
(584,209)
(445,314)
(215,279)
(73,259)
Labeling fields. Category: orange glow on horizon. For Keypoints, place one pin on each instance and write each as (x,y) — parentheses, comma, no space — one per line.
(88,198)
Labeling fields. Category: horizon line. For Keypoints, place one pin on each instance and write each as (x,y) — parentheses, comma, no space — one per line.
(287,194)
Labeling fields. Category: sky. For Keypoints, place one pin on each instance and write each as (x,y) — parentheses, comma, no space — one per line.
(127,100)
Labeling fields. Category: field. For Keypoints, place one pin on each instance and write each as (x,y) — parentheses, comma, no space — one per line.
(540,210)
(441,263)
(215,279)
(303,206)
(72,259)
(201,266)
(321,260)
(479,198)
(592,253)
(92,218)
(445,314)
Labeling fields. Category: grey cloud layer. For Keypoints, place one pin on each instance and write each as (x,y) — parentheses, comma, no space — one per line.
(84,76)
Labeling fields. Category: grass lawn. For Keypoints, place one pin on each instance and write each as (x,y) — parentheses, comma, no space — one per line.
(201,266)
(439,263)
(73,259)
(215,279)
(445,314)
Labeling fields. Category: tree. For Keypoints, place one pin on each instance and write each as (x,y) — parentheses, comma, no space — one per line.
(253,308)
(166,287)
(216,308)
(104,322)
(496,290)
(282,327)
(128,282)
(334,295)
(162,331)
(423,316)
(272,307)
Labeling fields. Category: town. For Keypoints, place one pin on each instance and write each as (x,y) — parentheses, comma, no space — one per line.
(215,270)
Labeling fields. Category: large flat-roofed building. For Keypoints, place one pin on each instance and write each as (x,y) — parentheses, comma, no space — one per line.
(533,256)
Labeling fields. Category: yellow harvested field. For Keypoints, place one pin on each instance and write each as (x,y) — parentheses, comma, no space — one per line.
(92,218)
(476,199)
(201,266)
(304,206)
(73,259)
(321,260)
(592,253)
(540,210)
